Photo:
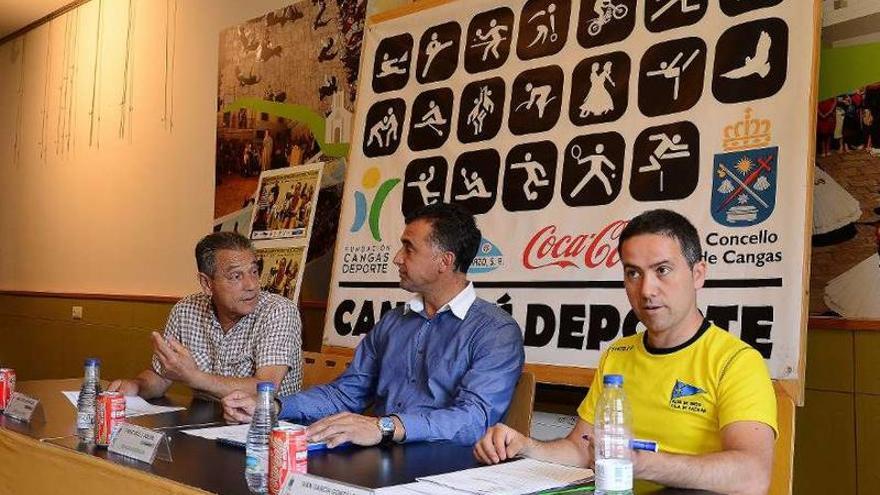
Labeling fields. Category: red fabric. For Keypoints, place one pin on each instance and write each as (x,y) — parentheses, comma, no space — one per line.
(825,122)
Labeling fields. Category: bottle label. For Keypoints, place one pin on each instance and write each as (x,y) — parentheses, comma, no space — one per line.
(85,420)
(257,462)
(614,474)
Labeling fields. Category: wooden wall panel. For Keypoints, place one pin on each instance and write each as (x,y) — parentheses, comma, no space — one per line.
(824,459)
(867,439)
(867,363)
(829,360)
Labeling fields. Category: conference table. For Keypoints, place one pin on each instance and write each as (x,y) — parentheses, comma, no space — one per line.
(46,457)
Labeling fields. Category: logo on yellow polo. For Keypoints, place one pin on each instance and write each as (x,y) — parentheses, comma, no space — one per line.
(684,397)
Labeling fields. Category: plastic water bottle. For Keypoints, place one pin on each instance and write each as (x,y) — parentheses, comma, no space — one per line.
(256,468)
(613,434)
(85,405)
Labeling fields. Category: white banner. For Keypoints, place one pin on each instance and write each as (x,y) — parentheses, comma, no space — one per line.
(555,125)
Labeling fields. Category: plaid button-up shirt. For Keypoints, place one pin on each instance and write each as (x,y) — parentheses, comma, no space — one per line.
(270,335)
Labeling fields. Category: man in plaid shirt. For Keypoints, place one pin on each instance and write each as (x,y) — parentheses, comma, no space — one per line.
(228,337)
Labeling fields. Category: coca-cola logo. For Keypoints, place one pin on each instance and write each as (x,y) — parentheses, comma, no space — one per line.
(278,460)
(590,250)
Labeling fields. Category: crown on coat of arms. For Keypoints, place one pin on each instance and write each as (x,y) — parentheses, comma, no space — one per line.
(747,133)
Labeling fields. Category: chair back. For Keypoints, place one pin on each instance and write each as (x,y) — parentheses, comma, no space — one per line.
(519,414)
(783,456)
(320,368)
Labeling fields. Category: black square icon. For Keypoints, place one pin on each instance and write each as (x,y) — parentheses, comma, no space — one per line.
(592,169)
(529,176)
(488,40)
(438,53)
(481,110)
(666,162)
(475,180)
(662,15)
(536,100)
(543,28)
(671,76)
(737,7)
(431,119)
(384,127)
(391,63)
(751,61)
(424,183)
(599,89)
(600,24)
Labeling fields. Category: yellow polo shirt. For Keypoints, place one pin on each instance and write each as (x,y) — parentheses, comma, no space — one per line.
(683,397)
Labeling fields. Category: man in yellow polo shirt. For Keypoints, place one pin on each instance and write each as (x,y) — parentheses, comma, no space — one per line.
(704,395)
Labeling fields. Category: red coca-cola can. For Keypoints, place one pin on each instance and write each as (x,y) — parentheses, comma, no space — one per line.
(109,414)
(7,386)
(288,455)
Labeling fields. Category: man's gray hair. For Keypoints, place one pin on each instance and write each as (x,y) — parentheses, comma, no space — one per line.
(206,249)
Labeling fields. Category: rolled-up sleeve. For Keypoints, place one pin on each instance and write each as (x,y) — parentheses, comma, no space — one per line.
(279,343)
(279,340)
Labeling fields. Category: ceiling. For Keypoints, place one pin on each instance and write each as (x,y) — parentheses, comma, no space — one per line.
(16,14)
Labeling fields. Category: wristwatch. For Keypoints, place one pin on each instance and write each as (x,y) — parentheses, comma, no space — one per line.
(386,426)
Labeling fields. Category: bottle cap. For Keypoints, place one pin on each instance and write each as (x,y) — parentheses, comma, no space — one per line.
(265,387)
(612,380)
(92,362)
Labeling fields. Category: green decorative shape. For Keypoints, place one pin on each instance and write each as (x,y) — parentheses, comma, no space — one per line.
(845,69)
(376,208)
(302,114)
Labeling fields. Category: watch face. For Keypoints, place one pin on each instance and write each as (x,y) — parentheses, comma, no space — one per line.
(386,424)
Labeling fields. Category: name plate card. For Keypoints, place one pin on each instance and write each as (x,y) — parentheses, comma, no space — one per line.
(21,407)
(308,484)
(136,442)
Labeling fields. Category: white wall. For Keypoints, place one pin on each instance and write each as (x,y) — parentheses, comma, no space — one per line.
(119,215)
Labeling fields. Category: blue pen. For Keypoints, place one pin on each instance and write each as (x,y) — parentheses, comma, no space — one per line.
(647,445)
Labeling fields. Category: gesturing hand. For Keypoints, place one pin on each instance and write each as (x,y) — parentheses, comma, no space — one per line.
(176,360)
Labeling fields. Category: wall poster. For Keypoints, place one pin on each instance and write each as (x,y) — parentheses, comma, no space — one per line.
(555,121)
(287,86)
(845,274)
(281,226)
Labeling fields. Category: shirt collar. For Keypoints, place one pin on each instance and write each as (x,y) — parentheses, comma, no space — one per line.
(459,305)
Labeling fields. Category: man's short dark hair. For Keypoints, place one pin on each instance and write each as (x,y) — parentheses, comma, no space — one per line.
(667,223)
(454,229)
(206,249)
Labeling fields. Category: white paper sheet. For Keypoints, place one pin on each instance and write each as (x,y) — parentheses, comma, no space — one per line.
(236,434)
(134,405)
(417,488)
(511,478)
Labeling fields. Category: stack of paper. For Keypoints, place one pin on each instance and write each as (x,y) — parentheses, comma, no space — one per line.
(418,488)
(510,478)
